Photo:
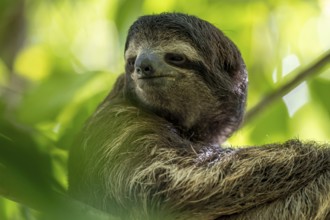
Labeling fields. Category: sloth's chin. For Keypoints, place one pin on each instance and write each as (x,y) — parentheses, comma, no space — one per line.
(155,82)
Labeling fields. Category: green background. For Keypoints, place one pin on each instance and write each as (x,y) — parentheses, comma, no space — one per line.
(59,59)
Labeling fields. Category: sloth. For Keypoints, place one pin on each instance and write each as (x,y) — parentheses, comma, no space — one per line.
(153,149)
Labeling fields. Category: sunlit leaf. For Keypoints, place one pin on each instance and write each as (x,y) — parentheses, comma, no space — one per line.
(33,63)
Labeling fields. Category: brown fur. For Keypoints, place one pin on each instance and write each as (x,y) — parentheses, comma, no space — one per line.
(150,151)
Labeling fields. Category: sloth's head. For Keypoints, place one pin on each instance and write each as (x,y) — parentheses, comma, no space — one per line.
(186,70)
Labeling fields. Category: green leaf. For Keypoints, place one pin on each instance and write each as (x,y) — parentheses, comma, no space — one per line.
(271,125)
(320,90)
(47,100)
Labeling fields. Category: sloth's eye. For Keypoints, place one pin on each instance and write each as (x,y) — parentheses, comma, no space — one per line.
(175,59)
(131,61)
(130,64)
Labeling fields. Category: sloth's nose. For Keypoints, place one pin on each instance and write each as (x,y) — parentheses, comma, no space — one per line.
(144,65)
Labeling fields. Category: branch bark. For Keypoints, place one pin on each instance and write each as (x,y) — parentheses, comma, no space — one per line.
(301,76)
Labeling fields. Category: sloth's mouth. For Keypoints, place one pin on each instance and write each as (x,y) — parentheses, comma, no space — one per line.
(155,77)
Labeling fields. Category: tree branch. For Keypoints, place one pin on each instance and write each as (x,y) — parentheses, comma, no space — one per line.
(310,71)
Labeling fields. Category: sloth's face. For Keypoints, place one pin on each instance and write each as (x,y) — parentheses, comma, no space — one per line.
(187,71)
(166,76)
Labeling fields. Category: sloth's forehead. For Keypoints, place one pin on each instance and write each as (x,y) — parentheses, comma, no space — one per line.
(135,47)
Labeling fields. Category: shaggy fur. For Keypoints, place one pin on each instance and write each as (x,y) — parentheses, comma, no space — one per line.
(151,150)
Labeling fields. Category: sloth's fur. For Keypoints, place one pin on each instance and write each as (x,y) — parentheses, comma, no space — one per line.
(151,150)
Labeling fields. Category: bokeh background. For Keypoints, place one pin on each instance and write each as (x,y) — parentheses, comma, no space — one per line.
(59,58)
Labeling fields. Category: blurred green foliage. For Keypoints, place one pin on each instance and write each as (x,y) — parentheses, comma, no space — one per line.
(59,59)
